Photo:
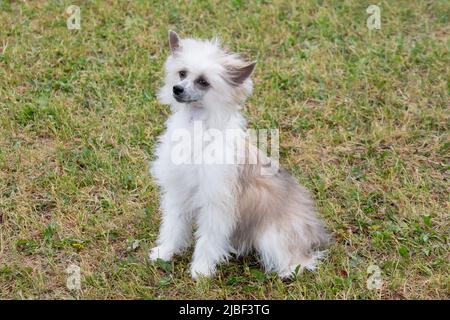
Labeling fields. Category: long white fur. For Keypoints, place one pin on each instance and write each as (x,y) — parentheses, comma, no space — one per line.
(204,195)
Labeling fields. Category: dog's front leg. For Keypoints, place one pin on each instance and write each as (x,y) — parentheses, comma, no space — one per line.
(214,227)
(175,230)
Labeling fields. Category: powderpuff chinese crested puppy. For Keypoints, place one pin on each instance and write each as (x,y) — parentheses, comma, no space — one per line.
(217,185)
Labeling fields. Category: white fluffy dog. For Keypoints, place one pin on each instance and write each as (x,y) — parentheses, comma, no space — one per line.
(236,206)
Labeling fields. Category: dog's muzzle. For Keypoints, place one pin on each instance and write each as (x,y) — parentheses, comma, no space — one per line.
(180,94)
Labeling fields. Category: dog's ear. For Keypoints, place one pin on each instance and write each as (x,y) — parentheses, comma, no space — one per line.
(174,41)
(239,75)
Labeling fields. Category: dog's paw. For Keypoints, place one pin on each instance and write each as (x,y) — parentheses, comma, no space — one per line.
(202,269)
(160,253)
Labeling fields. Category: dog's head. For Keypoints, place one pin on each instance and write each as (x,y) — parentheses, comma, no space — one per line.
(200,73)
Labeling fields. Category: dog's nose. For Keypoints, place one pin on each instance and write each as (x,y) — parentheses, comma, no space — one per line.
(177,90)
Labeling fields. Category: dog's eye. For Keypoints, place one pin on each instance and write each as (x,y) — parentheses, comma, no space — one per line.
(182,74)
(202,82)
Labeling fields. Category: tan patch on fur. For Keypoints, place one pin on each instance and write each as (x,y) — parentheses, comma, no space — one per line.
(275,201)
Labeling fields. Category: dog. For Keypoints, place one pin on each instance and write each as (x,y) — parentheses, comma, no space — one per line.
(236,207)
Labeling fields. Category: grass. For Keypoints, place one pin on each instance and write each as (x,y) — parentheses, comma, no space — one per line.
(364,120)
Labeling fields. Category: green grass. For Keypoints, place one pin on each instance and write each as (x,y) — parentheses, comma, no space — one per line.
(364,120)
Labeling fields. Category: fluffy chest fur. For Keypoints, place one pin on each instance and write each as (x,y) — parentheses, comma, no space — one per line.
(195,159)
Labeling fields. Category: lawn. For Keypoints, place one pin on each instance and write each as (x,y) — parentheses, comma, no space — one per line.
(364,121)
